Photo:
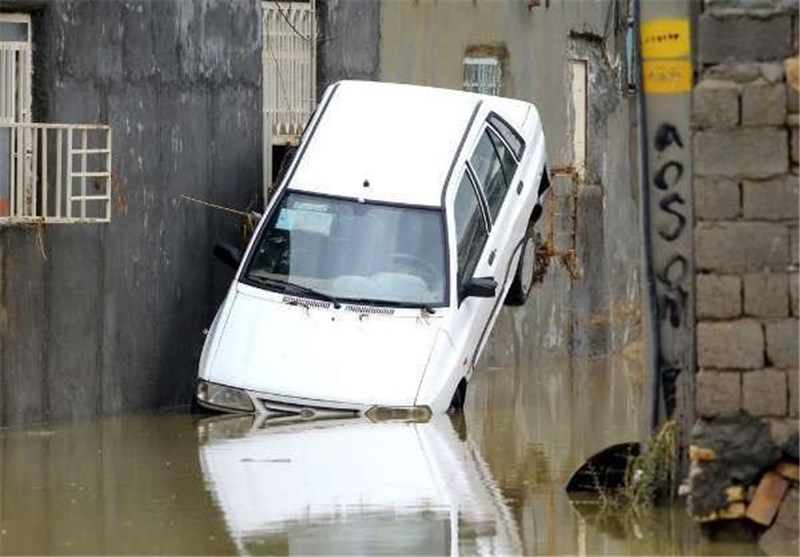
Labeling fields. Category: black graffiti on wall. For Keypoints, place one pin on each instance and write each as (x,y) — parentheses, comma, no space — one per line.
(672,274)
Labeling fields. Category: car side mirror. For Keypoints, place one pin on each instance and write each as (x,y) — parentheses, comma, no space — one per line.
(480,287)
(228,254)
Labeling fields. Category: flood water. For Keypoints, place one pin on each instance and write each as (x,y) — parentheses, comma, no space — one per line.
(488,482)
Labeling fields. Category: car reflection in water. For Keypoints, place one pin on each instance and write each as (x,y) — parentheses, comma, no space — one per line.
(351,486)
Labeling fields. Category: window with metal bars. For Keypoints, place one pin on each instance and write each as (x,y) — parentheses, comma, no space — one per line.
(482,75)
(48,172)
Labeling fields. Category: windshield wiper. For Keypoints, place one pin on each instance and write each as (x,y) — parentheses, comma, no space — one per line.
(299,288)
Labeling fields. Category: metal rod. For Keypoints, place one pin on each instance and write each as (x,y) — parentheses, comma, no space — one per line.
(59,149)
(108,180)
(44,173)
(68,199)
(83,173)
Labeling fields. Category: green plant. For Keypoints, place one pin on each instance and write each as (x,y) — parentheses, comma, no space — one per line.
(650,477)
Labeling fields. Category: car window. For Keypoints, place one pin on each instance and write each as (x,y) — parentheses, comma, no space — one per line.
(510,135)
(494,166)
(367,252)
(471,232)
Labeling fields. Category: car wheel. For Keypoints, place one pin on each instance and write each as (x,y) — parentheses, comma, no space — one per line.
(459,398)
(523,278)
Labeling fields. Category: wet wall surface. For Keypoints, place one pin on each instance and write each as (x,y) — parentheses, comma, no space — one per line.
(107,318)
(488,481)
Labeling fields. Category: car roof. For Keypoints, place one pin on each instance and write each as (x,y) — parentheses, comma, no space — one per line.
(401,139)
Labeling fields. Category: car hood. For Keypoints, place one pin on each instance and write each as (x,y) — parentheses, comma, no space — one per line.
(341,356)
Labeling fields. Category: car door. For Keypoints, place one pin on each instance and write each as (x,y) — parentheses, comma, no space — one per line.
(493,166)
(474,258)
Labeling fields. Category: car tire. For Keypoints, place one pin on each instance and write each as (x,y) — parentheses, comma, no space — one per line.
(526,270)
(459,398)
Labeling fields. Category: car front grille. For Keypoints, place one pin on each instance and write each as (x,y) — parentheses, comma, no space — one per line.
(369,309)
(283,411)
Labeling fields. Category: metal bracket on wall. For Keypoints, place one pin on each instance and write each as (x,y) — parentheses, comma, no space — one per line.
(561,218)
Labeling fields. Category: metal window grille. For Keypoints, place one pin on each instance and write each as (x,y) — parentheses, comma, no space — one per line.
(289,75)
(58,173)
(51,173)
(289,54)
(482,75)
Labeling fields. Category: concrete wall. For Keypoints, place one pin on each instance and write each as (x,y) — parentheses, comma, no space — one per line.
(746,254)
(109,318)
(349,41)
(425,42)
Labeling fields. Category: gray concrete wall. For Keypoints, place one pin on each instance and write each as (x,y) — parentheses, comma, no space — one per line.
(109,318)
(425,42)
(349,41)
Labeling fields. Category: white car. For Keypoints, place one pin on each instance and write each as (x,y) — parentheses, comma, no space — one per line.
(379,267)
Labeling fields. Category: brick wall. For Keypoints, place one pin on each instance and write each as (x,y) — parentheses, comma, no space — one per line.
(745,142)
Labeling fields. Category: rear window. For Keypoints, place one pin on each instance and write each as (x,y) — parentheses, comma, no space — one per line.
(509,135)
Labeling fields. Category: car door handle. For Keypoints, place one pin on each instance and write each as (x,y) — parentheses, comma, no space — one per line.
(519,187)
(491,256)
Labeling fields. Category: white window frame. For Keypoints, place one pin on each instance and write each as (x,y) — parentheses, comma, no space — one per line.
(56,173)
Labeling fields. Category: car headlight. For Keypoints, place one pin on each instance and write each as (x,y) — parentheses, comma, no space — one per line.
(407,413)
(227,398)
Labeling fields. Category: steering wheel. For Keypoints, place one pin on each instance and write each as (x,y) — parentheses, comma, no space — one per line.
(419,267)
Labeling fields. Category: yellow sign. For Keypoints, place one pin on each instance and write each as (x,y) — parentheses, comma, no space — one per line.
(665,38)
(667,76)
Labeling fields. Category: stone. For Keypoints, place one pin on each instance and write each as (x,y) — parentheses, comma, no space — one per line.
(730,345)
(720,38)
(794,245)
(774,199)
(792,100)
(701,454)
(789,470)
(741,4)
(766,295)
(744,448)
(735,493)
(763,105)
(732,511)
(716,198)
(765,393)
(761,152)
(716,394)
(792,379)
(718,296)
(738,247)
(715,104)
(779,540)
(739,73)
(773,72)
(768,498)
(782,343)
(791,68)
(784,434)
(794,146)
(788,514)
(794,293)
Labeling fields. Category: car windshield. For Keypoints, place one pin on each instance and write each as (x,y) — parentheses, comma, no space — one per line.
(352,251)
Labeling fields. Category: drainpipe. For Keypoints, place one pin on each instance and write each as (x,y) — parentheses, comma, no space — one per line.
(651,299)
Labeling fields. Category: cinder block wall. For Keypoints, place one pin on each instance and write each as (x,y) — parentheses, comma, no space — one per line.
(745,141)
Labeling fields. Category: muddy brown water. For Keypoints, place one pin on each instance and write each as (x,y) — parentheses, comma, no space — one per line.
(488,482)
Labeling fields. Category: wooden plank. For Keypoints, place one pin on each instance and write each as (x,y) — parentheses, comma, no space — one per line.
(788,470)
(767,498)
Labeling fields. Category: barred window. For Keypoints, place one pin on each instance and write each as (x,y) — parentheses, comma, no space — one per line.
(482,75)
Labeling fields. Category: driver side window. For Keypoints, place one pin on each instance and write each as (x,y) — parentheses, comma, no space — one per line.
(471,230)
